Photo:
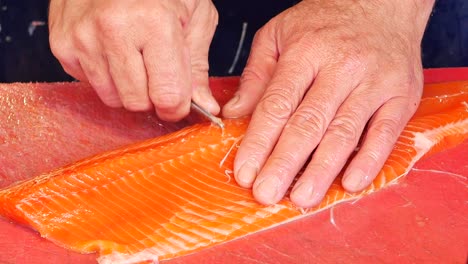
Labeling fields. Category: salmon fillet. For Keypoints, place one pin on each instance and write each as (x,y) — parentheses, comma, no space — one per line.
(175,194)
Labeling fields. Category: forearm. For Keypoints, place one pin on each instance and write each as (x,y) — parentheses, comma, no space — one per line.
(422,10)
(408,16)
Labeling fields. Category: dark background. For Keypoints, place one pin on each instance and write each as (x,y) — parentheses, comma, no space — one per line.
(25,55)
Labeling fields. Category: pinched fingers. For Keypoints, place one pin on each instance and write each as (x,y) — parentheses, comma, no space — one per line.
(134,55)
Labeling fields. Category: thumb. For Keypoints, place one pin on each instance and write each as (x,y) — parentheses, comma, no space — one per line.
(256,75)
(200,34)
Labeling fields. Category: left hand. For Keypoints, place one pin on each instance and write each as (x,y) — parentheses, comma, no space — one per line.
(318,73)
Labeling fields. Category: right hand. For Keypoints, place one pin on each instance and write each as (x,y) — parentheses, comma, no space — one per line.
(139,54)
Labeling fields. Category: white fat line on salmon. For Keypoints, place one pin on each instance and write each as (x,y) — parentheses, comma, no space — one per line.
(424,141)
(221,163)
(303,210)
(228,173)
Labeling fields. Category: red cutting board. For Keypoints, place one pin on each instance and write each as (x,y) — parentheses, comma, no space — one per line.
(423,219)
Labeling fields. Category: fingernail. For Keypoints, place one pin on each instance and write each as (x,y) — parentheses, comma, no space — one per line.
(247,173)
(353,180)
(303,192)
(267,191)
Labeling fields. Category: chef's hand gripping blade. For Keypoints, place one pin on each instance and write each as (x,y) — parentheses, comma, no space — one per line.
(215,120)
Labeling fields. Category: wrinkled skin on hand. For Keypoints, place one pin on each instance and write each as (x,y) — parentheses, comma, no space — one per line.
(140,54)
(320,75)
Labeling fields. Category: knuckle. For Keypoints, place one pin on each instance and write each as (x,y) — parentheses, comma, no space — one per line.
(65,57)
(134,104)
(165,99)
(263,35)
(251,73)
(214,14)
(309,122)
(260,34)
(200,65)
(54,41)
(352,63)
(323,166)
(112,101)
(257,143)
(284,162)
(105,90)
(163,82)
(412,83)
(387,130)
(345,128)
(406,79)
(59,48)
(131,99)
(81,37)
(277,106)
(110,22)
(295,63)
(372,157)
(215,18)
(59,52)
(287,86)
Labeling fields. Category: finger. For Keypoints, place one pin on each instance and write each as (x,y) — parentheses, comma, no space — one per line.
(338,142)
(291,79)
(95,66)
(72,67)
(383,131)
(200,34)
(61,44)
(66,54)
(301,135)
(127,69)
(256,75)
(167,62)
(97,72)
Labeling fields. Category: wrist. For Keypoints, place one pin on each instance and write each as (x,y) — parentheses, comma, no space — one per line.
(412,15)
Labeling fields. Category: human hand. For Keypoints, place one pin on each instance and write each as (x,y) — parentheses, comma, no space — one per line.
(317,75)
(138,54)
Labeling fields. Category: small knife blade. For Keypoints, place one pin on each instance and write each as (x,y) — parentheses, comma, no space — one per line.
(215,120)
